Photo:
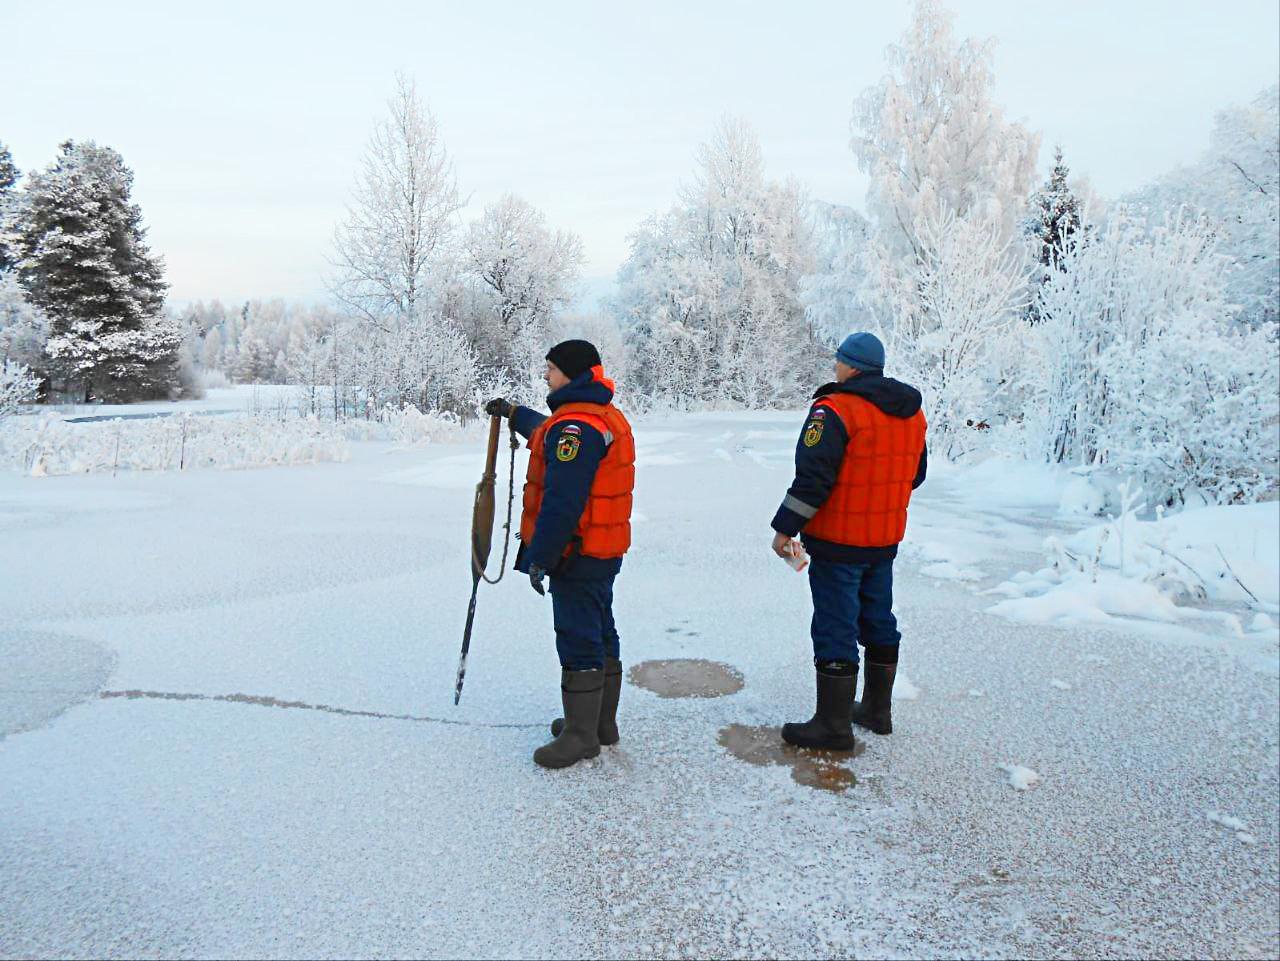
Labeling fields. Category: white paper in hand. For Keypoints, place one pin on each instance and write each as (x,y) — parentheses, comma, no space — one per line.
(797,558)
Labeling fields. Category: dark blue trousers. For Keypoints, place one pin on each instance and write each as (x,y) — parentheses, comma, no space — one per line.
(852,603)
(583,614)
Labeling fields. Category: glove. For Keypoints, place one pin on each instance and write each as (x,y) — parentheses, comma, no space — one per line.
(498,407)
(536,574)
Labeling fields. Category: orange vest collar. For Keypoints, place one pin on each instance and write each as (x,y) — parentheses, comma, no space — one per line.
(597,375)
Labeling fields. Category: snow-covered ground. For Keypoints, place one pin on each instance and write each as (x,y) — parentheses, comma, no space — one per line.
(182,773)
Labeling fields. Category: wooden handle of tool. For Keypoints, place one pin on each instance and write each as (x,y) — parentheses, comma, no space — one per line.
(491,455)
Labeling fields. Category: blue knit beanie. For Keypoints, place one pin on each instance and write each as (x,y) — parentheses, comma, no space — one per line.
(862,351)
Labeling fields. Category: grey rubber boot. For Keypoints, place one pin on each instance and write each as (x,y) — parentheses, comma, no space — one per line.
(608,727)
(580,693)
(831,726)
(874,711)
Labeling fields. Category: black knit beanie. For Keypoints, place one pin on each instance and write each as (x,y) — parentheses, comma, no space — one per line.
(574,357)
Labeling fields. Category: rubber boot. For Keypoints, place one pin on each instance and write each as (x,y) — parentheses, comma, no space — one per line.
(830,727)
(580,693)
(874,711)
(608,728)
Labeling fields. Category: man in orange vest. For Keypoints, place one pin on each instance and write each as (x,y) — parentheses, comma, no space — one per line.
(575,528)
(860,455)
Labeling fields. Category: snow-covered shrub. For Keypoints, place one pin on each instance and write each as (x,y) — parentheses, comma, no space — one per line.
(18,387)
(49,445)
(409,426)
(1142,369)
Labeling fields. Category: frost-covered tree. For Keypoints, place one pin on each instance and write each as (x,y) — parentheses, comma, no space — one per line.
(401,216)
(211,349)
(1143,369)
(523,272)
(82,258)
(18,387)
(255,361)
(710,294)
(934,143)
(392,258)
(832,293)
(530,269)
(970,284)
(1235,186)
(24,329)
(9,174)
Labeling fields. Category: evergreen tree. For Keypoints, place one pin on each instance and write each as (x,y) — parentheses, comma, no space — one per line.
(82,258)
(9,175)
(1055,215)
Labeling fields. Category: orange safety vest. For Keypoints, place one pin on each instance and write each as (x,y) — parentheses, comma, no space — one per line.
(605,526)
(867,506)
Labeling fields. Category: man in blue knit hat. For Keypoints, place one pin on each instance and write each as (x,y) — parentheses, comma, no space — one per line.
(860,455)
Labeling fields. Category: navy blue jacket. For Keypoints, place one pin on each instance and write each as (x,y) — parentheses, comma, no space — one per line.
(817,467)
(567,485)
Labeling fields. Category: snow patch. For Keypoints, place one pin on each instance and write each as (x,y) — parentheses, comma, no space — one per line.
(903,689)
(1020,778)
(1077,598)
(1082,497)
(1226,820)
(947,571)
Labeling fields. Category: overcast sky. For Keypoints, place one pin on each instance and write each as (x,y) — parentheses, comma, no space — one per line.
(244,122)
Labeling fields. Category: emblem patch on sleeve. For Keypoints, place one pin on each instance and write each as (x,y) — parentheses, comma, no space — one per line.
(567,447)
(813,430)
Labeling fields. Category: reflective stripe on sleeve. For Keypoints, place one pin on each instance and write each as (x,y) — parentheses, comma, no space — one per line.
(799,507)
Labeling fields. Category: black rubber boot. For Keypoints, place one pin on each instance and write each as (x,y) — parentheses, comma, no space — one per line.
(608,728)
(874,711)
(830,728)
(580,693)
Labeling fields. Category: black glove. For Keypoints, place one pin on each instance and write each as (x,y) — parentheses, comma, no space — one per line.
(498,407)
(536,574)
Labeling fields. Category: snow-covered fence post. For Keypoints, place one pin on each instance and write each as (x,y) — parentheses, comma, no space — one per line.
(116,461)
(182,456)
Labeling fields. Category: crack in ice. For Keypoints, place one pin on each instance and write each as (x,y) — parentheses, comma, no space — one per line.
(266,701)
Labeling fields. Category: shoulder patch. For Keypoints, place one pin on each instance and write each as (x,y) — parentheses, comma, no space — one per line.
(813,429)
(568,446)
